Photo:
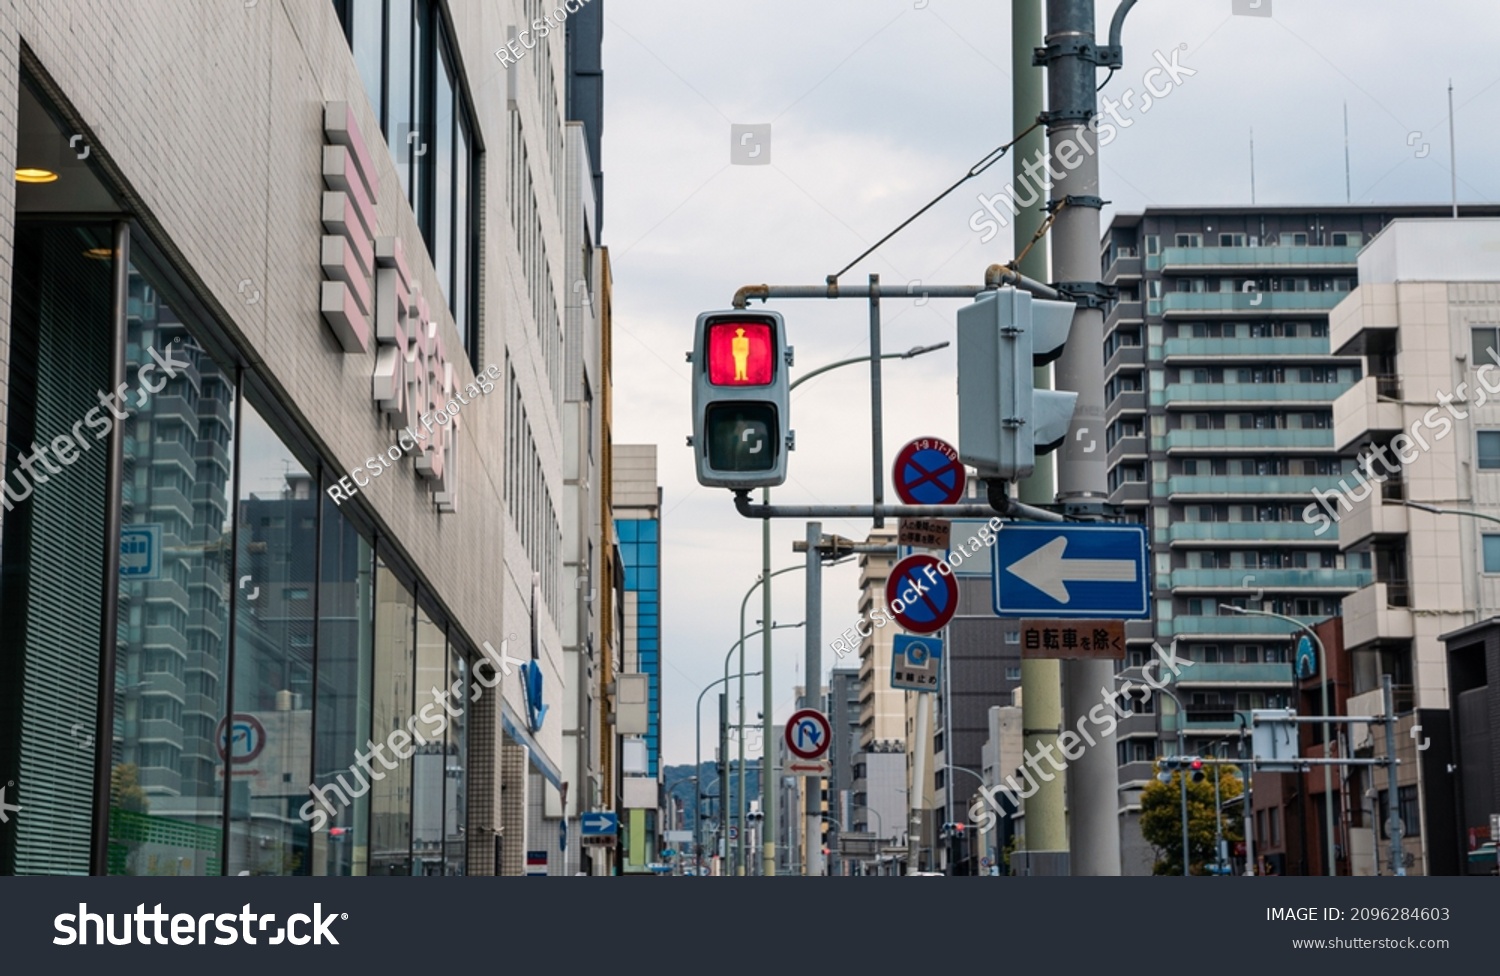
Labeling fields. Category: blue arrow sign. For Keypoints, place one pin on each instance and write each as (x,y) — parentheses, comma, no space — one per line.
(597,823)
(1080,570)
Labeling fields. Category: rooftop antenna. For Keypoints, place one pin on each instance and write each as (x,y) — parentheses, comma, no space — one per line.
(1452,153)
(1347,198)
(1252,166)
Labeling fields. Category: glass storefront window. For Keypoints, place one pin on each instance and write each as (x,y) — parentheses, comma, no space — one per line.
(346,608)
(167,803)
(270,739)
(430,762)
(51,594)
(395,665)
(455,789)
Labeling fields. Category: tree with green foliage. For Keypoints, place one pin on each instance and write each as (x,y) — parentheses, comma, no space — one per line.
(1161,818)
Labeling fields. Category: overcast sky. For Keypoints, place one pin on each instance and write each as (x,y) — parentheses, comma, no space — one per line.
(877,105)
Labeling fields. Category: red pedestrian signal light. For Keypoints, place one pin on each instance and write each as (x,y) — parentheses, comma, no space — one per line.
(741,353)
(741,399)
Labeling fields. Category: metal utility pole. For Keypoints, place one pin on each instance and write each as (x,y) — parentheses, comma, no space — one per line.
(917,790)
(1393,803)
(812,695)
(767,764)
(1072,59)
(1041,680)
(1452,150)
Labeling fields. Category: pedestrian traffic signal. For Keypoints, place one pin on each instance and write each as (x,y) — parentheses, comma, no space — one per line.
(740,399)
(1003,420)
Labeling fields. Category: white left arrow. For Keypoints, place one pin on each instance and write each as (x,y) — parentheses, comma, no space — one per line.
(1046,570)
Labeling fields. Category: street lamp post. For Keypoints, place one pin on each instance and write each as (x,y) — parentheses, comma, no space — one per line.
(768,853)
(1181,773)
(764,579)
(1324,666)
(698,762)
(740,720)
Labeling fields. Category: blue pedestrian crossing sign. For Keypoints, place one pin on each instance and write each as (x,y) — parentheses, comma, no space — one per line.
(916,663)
(1078,570)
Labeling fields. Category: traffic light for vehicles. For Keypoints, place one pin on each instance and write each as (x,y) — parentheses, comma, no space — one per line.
(1003,421)
(740,399)
(1190,766)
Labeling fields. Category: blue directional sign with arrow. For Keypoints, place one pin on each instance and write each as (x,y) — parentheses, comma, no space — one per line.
(598,823)
(1077,570)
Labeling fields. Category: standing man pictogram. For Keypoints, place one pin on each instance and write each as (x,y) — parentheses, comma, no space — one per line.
(739,348)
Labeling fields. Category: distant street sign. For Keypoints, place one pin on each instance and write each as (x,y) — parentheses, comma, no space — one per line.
(536,864)
(1072,639)
(806,767)
(928,472)
(598,823)
(919,596)
(925,533)
(808,734)
(734,832)
(1307,658)
(916,663)
(1079,570)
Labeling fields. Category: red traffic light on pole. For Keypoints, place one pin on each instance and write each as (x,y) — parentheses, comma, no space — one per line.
(741,395)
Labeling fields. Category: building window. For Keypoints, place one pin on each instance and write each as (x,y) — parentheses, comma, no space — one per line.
(1492,553)
(1483,339)
(1489,450)
(410,75)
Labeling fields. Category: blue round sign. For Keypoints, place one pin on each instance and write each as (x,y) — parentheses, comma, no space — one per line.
(1307,658)
(928,472)
(919,596)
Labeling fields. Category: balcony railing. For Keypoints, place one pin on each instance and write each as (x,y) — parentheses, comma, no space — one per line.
(1254,437)
(1282,485)
(1252,303)
(1237,625)
(1178,393)
(1273,579)
(1388,386)
(1304,256)
(1242,532)
(1206,346)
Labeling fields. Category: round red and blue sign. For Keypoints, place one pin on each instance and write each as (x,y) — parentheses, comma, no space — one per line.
(919,596)
(928,472)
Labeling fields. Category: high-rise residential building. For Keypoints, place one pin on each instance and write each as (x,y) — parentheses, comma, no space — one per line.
(1220,384)
(637,526)
(349,283)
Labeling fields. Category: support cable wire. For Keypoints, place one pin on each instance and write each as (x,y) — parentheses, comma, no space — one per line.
(988,160)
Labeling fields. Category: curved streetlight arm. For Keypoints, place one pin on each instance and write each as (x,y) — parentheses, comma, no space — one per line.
(911,353)
(1433,509)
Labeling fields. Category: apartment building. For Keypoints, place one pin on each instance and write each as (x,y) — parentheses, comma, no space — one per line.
(1221,382)
(1423,431)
